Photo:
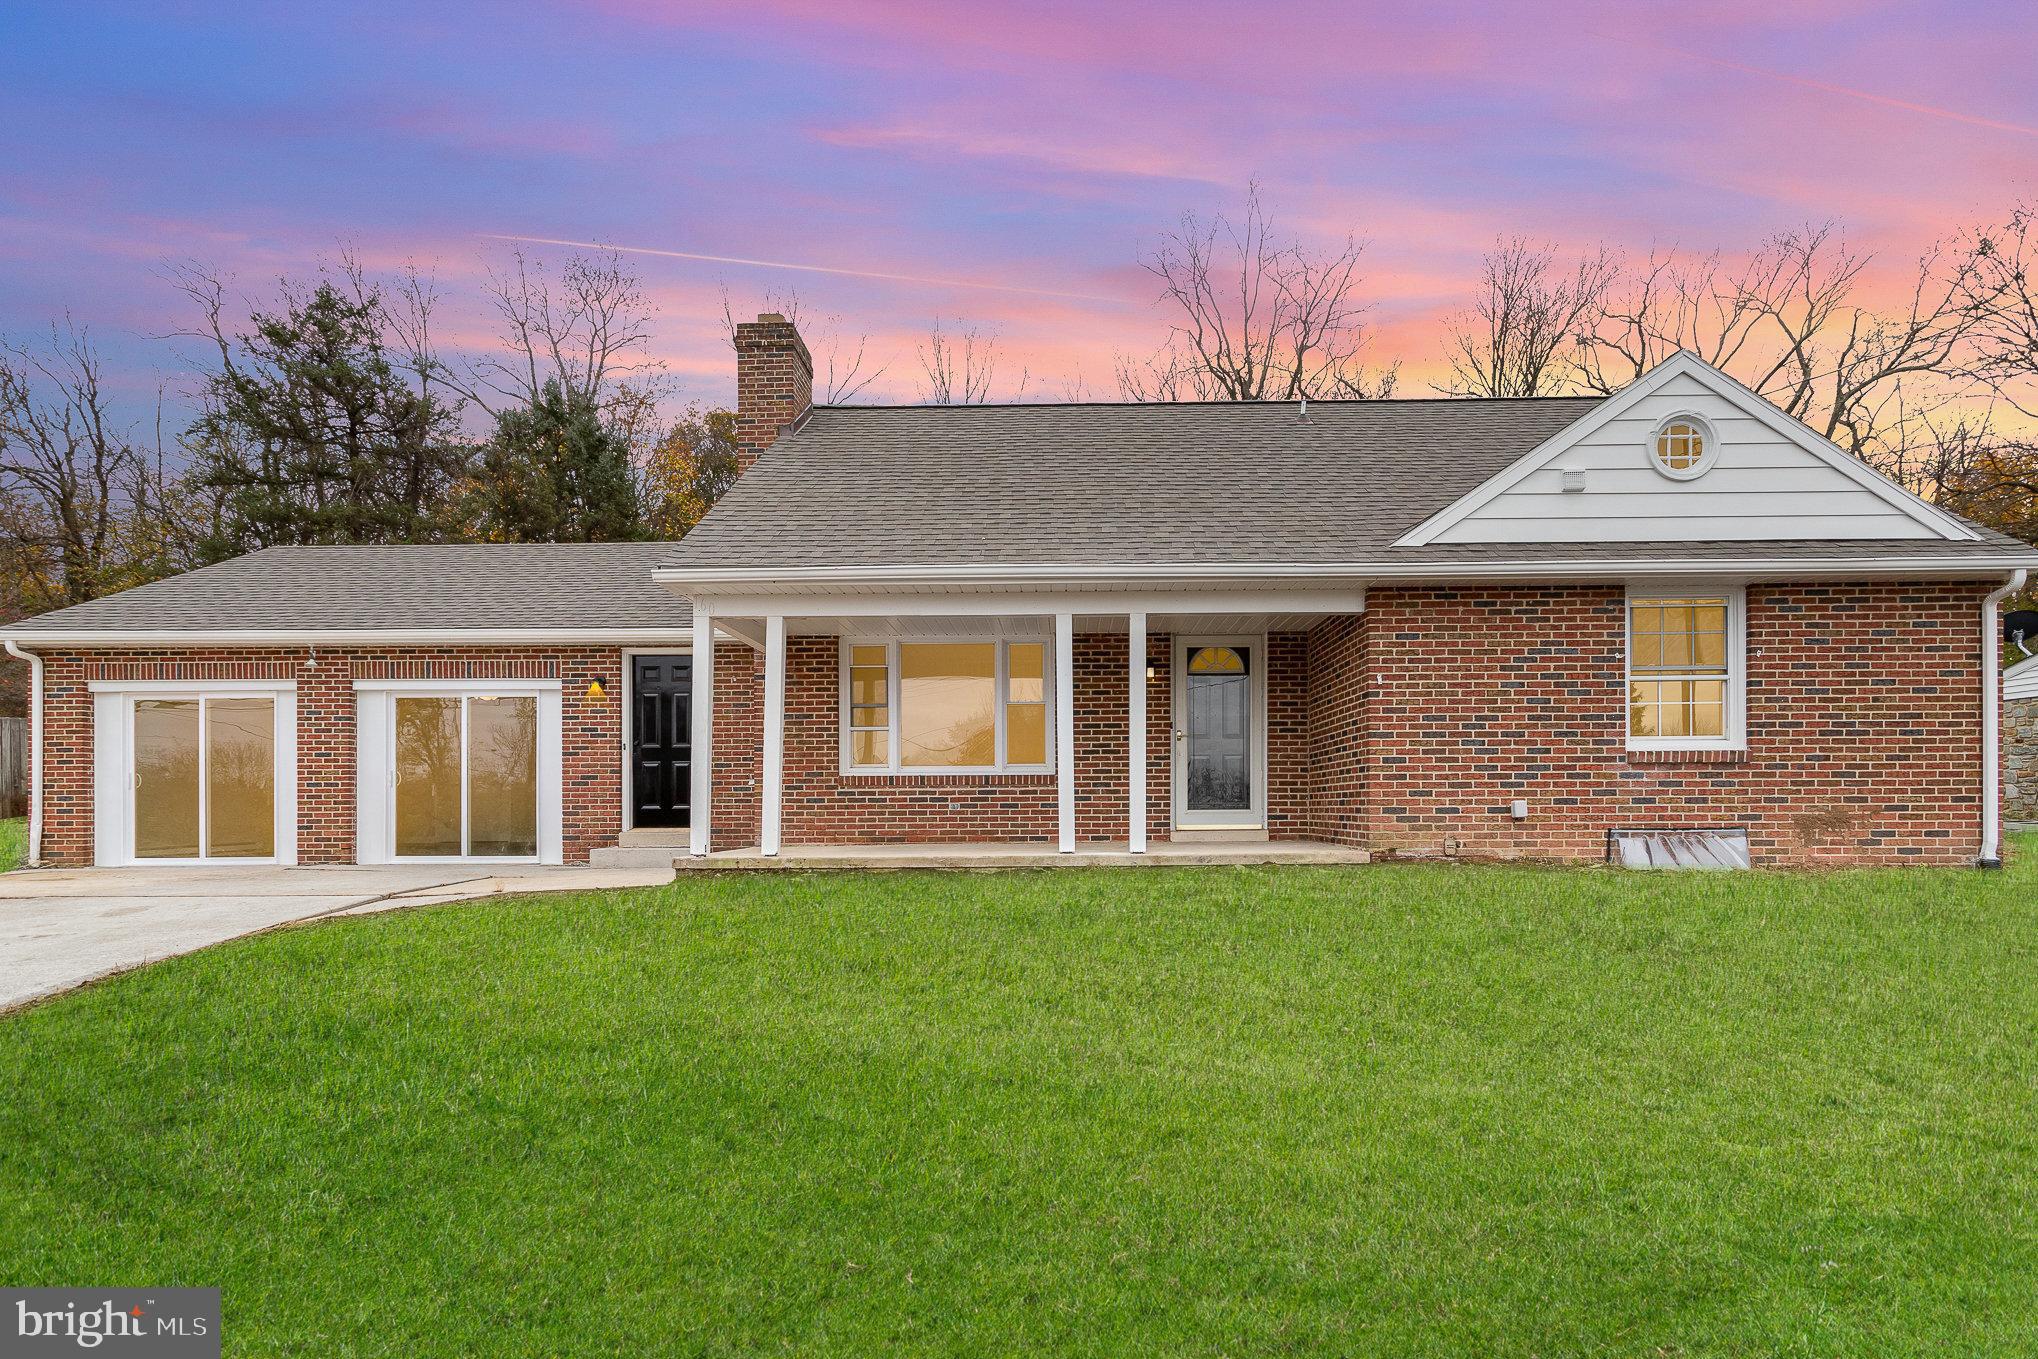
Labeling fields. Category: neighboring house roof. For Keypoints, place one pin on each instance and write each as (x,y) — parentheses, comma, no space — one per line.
(1197,485)
(2020,681)
(445,591)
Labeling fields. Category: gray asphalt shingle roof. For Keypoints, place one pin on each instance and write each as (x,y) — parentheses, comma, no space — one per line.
(1217,483)
(449,587)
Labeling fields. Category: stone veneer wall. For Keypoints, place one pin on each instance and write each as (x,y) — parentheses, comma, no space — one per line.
(2020,759)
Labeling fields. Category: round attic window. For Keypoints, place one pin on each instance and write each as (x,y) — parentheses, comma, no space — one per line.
(1683,447)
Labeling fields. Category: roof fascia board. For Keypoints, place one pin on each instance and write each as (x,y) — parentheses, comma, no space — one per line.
(114,637)
(1686,364)
(1165,581)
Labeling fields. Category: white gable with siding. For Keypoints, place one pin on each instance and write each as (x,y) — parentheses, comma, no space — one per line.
(1770,478)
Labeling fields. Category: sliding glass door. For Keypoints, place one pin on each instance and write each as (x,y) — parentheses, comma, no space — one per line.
(204,777)
(464,776)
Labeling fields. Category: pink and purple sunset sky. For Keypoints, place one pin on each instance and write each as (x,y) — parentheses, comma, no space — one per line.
(1001,165)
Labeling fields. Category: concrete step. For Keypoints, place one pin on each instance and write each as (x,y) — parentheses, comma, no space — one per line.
(635,856)
(664,837)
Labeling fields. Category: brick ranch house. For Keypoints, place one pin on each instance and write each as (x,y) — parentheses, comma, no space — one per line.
(1428,627)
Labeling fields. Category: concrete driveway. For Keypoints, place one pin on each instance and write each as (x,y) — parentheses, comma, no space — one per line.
(60,928)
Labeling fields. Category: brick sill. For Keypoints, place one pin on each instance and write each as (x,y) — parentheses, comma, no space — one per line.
(1687,756)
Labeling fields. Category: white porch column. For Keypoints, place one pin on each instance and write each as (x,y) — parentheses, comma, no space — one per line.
(774,731)
(1065,727)
(1135,729)
(703,750)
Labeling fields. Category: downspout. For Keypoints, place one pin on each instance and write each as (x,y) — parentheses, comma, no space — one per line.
(34,751)
(1991,724)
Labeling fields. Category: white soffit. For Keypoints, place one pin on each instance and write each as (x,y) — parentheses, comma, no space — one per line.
(1770,479)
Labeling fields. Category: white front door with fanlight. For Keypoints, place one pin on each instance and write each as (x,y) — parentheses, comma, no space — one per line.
(194,774)
(1220,733)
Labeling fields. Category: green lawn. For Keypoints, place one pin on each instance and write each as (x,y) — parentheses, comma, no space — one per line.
(1400,1110)
(13,841)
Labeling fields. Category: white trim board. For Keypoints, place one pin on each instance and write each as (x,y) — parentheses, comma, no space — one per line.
(241,686)
(1664,390)
(1189,587)
(371,637)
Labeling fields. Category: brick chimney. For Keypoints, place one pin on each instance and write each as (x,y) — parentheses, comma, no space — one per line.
(774,383)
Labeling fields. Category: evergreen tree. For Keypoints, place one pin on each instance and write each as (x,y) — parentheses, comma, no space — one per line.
(311,434)
(554,472)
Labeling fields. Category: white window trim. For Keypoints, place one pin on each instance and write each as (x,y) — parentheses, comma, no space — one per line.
(1706,431)
(113,766)
(1736,724)
(893,765)
(375,760)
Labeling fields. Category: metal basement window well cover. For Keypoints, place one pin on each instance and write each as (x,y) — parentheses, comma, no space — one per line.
(1678,848)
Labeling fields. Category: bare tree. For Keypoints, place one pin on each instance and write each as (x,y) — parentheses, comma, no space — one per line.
(1972,468)
(844,366)
(957,370)
(1789,325)
(1255,317)
(1520,332)
(80,498)
(587,330)
(2006,337)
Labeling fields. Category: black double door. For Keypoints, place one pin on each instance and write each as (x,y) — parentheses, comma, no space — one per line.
(661,740)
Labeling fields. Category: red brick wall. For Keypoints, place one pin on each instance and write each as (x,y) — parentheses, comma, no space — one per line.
(774,383)
(1408,731)
(1160,736)
(592,730)
(1290,786)
(1337,731)
(825,806)
(1864,704)
(737,808)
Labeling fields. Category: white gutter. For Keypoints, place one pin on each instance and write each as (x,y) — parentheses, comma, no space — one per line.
(1204,574)
(34,751)
(1991,725)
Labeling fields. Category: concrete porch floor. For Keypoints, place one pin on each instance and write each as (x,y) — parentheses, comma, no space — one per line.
(1093,854)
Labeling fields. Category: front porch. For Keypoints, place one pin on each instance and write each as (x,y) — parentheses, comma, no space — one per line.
(1007,854)
(998,731)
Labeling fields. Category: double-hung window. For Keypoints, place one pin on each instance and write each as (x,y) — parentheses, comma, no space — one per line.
(945,706)
(1685,671)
